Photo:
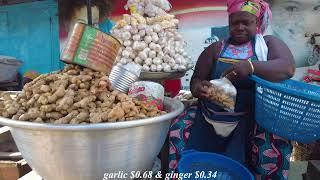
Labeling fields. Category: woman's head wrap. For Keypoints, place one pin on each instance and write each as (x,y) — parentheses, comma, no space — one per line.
(259,8)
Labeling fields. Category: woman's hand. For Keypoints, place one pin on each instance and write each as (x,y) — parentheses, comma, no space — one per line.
(239,71)
(201,89)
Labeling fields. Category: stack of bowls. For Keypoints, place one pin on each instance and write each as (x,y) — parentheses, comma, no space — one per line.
(121,78)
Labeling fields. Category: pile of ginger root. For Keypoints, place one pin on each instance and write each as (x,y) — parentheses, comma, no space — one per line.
(75,95)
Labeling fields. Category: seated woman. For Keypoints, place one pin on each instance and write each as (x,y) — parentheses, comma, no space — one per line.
(245,53)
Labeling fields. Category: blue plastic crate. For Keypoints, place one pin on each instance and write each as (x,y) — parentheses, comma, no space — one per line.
(203,165)
(290,109)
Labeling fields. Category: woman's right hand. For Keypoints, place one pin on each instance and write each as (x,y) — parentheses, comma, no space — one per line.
(201,89)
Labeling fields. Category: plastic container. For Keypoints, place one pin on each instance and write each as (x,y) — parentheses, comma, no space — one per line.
(92,48)
(121,78)
(203,165)
(8,69)
(290,109)
(148,91)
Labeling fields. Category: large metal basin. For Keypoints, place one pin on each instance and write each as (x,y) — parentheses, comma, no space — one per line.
(86,152)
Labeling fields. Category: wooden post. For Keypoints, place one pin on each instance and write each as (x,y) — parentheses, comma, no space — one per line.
(89,13)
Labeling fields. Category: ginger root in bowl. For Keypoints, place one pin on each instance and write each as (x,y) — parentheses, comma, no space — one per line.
(75,95)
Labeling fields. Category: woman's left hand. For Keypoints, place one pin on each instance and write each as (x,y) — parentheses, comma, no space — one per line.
(238,71)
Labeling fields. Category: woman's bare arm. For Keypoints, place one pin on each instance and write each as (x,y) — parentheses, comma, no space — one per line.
(280,64)
(203,68)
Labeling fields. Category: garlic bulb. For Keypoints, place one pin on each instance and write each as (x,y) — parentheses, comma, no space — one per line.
(126,35)
(139,46)
(143,55)
(152,54)
(142,26)
(148,61)
(146,50)
(157,28)
(136,37)
(175,67)
(153,68)
(157,48)
(160,55)
(142,33)
(157,61)
(155,38)
(127,28)
(172,62)
(126,53)
(149,30)
(134,30)
(166,67)
(133,55)
(152,45)
(127,43)
(123,60)
(138,60)
(182,68)
(145,68)
(159,68)
(147,39)
(166,58)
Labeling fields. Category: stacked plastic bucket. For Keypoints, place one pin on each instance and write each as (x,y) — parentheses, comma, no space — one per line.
(121,78)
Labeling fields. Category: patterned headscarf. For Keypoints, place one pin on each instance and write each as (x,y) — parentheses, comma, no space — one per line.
(259,8)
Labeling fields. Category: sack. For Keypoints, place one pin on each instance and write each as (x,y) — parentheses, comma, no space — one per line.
(223,93)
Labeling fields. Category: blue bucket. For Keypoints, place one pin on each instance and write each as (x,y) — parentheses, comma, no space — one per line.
(203,165)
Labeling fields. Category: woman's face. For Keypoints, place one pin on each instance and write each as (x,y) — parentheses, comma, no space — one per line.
(292,19)
(243,26)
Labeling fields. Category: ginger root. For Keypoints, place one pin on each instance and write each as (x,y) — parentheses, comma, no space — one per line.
(67,119)
(117,113)
(74,95)
(81,117)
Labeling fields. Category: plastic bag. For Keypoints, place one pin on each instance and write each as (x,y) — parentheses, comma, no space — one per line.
(223,93)
(149,7)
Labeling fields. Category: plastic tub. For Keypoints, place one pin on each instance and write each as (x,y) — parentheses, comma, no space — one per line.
(8,69)
(203,165)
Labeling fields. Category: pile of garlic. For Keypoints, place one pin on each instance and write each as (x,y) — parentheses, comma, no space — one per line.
(152,42)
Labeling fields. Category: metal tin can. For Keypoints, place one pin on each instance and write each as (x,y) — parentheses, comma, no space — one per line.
(121,78)
(148,91)
(73,43)
(92,48)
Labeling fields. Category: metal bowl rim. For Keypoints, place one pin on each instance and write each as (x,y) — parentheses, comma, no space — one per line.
(100,126)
